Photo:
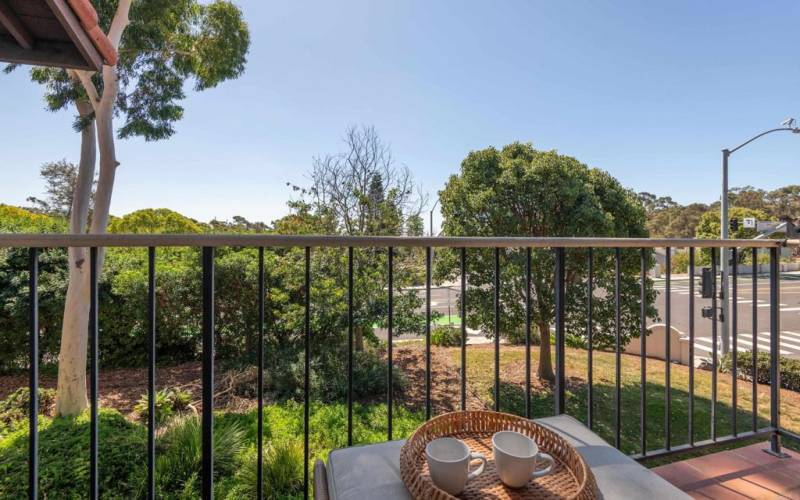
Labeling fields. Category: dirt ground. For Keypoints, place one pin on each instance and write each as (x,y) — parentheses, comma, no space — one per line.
(121,388)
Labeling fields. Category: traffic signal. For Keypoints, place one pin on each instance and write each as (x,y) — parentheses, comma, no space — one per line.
(734,225)
(707,283)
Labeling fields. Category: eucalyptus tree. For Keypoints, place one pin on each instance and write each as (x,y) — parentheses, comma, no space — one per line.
(519,191)
(162,45)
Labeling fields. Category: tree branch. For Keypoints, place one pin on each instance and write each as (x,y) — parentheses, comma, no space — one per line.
(85,79)
(119,23)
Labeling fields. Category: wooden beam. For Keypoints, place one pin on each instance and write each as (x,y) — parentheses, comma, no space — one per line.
(12,23)
(55,54)
(76,33)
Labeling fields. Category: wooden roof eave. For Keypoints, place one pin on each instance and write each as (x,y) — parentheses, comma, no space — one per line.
(80,52)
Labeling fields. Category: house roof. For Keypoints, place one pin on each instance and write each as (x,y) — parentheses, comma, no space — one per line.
(59,33)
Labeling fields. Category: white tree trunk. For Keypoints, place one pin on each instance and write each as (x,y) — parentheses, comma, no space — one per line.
(71,395)
(71,398)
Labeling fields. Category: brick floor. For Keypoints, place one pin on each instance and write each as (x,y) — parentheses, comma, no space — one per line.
(742,473)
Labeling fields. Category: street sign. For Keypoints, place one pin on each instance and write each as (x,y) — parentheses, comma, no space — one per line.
(750,222)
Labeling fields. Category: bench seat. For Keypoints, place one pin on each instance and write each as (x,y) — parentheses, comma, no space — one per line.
(373,471)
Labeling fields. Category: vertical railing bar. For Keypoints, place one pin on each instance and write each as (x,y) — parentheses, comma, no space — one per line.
(428,333)
(208,374)
(350,346)
(735,340)
(774,355)
(754,351)
(643,354)
(33,416)
(94,490)
(389,346)
(260,381)
(714,346)
(528,332)
(691,346)
(307,371)
(560,313)
(668,354)
(617,348)
(496,329)
(151,372)
(463,329)
(590,336)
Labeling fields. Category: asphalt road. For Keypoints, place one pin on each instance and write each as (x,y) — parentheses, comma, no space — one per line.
(445,301)
(789,312)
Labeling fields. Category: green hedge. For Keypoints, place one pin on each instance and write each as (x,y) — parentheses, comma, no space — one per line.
(790,368)
(445,336)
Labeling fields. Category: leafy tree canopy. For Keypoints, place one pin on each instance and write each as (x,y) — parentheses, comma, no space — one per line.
(520,191)
(167,43)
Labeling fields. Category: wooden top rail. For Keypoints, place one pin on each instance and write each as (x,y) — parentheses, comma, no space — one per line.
(274,240)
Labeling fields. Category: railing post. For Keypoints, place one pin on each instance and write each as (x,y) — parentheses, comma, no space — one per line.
(560,272)
(151,373)
(496,329)
(208,374)
(260,378)
(463,329)
(774,354)
(94,331)
(350,346)
(33,429)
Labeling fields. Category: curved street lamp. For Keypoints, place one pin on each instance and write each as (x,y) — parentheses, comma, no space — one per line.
(787,126)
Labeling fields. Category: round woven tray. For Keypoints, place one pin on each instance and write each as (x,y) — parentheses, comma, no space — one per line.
(571,477)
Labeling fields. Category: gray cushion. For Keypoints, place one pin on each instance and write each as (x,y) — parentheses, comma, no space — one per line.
(373,471)
(365,472)
(617,475)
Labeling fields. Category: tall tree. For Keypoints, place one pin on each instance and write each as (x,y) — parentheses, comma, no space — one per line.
(362,191)
(519,191)
(162,44)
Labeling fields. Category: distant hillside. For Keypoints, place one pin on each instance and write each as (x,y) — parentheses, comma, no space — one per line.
(669,219)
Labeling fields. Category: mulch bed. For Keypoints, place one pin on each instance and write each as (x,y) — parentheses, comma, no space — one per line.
(121,388)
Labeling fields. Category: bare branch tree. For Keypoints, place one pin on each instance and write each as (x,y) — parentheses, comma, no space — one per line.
(363,191)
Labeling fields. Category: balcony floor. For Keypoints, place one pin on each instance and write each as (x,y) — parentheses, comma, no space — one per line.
(745,472)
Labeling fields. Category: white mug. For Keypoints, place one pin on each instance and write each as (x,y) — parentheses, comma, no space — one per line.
(448,461)
(516,457)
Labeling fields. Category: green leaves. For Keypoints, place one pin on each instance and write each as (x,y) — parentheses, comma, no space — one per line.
(520,191)
(167,43)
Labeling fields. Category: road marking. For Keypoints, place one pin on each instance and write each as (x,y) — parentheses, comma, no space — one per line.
(761,346)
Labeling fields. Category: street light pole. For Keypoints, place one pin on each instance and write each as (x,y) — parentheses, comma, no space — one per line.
(724,233)
(788,126)
(431,214)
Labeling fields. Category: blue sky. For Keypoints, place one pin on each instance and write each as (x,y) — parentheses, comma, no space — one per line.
(649,91)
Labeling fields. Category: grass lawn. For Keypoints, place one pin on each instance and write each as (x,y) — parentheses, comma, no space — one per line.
(448,320)
(480,377)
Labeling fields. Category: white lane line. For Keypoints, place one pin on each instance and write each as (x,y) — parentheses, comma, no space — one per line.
(789,309)
(745,345)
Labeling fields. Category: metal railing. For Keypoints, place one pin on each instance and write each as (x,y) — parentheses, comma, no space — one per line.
(35,242)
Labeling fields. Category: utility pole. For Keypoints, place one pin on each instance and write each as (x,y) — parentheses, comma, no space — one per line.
(787,126)
(724,225)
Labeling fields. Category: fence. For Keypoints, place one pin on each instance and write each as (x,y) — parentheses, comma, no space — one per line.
(463,245)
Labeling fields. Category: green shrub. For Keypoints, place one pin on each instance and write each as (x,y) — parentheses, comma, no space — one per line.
(179,454)
(445,336)
(575,341)
(14,409)
(64,458)
(168,402)
(329,376)
(790,368)
(283,471)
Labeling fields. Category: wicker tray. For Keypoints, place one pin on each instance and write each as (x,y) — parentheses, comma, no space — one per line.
(571,477)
